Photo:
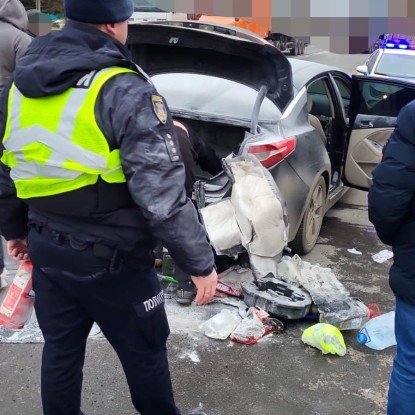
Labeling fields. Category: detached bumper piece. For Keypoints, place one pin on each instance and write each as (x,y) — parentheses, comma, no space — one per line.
(277,298)
(245,212)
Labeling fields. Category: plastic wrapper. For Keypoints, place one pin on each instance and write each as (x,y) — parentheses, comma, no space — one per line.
(221,325)
(326,338)
(251,328)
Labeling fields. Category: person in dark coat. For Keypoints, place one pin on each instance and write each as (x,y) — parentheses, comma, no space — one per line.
(194,152)
(13,44)
(90,179)
(391,207)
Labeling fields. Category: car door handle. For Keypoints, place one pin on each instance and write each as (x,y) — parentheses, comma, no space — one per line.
(366,124)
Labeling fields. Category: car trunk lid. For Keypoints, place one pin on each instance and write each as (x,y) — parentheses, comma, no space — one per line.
(180,47)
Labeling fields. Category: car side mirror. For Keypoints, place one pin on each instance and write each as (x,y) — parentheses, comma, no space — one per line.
(362,69)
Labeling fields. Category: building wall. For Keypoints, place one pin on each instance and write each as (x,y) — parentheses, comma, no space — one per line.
(341,26)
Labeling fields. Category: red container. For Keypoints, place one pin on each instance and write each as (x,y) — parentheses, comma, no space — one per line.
(17,306)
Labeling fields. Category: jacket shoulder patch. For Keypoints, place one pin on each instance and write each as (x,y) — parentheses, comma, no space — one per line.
(159,108)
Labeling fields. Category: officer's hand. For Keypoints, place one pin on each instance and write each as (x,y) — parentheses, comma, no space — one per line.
(206,287)
(17,248)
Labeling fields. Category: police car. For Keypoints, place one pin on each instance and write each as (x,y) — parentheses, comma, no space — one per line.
(395,58)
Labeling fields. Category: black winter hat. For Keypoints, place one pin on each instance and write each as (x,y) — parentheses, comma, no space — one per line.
(99,11)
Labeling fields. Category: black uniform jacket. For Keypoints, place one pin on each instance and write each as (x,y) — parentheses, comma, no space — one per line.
(392,203)
(153,204)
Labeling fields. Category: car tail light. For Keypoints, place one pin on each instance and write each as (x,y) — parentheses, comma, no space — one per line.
(271,154)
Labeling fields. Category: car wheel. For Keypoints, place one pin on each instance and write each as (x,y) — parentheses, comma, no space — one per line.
(310,227)
(293,51)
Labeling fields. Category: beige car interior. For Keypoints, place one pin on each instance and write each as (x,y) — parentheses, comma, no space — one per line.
(365,153)
(314,121)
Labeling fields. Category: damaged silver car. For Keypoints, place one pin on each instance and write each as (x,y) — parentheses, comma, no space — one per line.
(312,126)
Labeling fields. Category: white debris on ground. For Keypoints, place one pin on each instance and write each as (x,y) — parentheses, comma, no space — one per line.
(193,356)
(182,319)
(186,320)
(354,251)
(382,256)
(31,333)
(334,301)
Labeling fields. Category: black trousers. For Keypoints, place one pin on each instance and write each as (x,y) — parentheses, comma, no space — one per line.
(73,289)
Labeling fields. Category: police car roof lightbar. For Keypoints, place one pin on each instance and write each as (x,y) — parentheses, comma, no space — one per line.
(398,42)
(398,45)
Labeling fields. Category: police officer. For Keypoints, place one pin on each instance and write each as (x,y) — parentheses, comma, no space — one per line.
(92,181)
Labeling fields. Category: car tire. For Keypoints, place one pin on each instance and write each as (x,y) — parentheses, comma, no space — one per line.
(310,227)
(293,51)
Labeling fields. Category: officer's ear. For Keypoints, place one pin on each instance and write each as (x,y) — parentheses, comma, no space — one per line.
(108,28)
(118,31)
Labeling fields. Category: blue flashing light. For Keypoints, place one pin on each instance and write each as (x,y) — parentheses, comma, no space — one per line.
(397,45)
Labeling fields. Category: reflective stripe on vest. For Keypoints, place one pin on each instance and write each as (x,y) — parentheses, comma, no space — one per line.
(54,145)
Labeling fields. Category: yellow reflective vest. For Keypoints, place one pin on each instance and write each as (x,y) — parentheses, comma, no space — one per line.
(54,145)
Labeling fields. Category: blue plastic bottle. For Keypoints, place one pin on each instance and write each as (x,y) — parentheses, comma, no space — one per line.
(379,332)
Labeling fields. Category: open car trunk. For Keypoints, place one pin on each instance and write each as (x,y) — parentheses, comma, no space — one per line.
(224,139)
(242,210)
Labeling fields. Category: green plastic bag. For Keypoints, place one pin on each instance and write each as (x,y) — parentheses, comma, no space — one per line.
(326,338)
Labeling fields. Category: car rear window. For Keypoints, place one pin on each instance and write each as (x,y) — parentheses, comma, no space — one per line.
(207,95)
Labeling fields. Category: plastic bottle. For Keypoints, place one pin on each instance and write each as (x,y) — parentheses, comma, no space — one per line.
(17,306)
(379,332)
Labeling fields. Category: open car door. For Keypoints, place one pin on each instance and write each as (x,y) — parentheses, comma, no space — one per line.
(374,106)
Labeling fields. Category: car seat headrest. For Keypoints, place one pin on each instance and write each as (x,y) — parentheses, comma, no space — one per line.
(309,102)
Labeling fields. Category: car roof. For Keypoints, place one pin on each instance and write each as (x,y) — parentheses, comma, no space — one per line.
(304,70)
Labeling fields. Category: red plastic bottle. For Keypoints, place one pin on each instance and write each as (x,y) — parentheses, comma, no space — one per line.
(17,306)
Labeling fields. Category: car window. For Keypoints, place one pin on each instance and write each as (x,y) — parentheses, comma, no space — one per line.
(204,95)
(399,65)
(371,61)
(383,99)
(345,92)
(321,101)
